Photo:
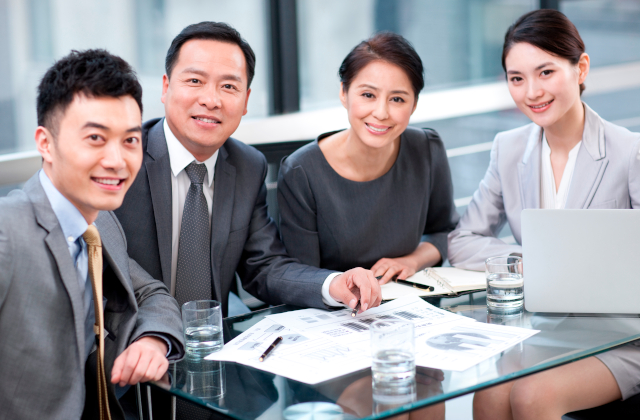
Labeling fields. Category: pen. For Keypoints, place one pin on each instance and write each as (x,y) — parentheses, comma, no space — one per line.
(410,283)
(355,310)
(271,347)
(416,285)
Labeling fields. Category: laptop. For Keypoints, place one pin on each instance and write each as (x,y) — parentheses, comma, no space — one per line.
(581,261)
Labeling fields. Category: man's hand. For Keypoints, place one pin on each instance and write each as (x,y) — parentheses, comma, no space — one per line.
(145,360)
(356,284)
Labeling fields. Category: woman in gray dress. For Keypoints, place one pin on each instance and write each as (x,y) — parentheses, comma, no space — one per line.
(378,194)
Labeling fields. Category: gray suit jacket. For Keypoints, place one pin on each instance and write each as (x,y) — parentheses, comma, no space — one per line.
(606,176)
(42,312)
(243,236)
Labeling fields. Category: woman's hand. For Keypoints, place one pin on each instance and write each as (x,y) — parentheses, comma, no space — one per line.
(393,268)
(425,255)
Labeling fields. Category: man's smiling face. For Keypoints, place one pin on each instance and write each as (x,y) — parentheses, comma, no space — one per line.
(96,153)
(206,95)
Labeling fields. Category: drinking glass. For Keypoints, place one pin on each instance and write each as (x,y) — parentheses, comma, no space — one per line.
(505,283)
(202,325)
(392,350)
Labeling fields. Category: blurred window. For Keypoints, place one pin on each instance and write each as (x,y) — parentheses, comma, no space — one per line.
(34,33)
(459,41)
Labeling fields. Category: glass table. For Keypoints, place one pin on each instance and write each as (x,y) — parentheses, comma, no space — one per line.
(244,393)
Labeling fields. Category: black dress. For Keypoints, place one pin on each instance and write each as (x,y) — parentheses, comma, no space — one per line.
(331,222)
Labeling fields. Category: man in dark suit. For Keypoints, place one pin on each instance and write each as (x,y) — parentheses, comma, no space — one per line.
(54,240)
(196,214)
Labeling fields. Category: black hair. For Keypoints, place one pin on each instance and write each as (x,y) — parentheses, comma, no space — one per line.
(215,31)
(94,73)
(384,46)
(549,30)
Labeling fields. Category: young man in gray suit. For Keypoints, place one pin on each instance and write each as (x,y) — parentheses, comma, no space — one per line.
(56,235)
(197,214)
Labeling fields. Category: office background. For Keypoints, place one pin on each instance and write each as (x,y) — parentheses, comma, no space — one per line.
(299,46)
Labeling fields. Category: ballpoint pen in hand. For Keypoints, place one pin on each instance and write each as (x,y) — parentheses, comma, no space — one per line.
(355,310)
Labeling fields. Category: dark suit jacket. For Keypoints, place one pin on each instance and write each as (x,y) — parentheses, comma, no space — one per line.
(42,316)
(243,236)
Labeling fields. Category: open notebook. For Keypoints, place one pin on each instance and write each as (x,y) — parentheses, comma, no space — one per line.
(445,281)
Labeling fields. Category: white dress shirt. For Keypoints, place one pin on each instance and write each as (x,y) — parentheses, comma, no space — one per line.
(550,196)
(179,159)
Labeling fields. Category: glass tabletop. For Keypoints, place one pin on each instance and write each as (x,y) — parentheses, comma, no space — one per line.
(245,393)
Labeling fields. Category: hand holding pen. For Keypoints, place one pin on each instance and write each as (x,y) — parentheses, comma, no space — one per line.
(356,286)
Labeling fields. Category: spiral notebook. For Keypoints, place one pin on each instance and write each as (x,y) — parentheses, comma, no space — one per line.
(444,280)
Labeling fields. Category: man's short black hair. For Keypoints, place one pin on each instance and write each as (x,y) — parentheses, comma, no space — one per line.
(94,73)
(215,31)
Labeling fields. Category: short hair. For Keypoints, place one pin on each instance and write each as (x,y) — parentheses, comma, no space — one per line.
(214,31)
(549,30)
(384,46)
(94,73)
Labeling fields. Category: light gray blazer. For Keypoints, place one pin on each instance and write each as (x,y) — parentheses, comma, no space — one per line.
(606,176)
(42,333)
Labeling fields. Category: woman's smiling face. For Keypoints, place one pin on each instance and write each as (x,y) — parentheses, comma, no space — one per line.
(544,86)
(379,102)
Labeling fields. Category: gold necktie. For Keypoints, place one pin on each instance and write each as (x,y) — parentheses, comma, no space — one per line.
(94,247)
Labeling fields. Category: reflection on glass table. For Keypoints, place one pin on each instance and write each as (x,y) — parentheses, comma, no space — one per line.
(241,392)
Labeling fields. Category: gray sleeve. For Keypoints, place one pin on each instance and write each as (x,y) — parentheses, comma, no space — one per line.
(442,216)
(475,238)
(6,264)
(158,312)
(298,217)
(268,272)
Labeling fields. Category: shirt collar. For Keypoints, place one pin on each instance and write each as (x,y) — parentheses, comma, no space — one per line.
(573,153)
(180,157)
(71,221)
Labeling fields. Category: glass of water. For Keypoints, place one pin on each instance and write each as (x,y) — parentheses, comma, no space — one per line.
(392,350)
(202,325)
(505,283)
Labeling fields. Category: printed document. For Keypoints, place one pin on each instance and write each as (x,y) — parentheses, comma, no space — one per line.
(345,329)
(319,345)
(300,356)
(461,345)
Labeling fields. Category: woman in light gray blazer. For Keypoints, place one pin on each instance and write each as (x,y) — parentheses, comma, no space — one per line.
(568,157)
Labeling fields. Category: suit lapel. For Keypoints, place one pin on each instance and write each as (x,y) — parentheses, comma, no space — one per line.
(222,210)
(57,245)
(158,169)
(529,171)
(591,163)
(118,261)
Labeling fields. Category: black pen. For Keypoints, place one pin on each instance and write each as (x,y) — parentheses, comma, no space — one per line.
(271,347)
(416,285)
(355,310)
(410,283)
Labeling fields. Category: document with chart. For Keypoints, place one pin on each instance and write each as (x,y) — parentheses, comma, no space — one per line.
(301,356)
(461,345)
(318,345)
(341,327)
(443,340)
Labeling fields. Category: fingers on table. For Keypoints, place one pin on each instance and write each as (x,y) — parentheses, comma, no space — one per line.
(139,364)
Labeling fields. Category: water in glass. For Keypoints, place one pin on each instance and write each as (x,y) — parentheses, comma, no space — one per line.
(203,340)
(393,366)
(505,290)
